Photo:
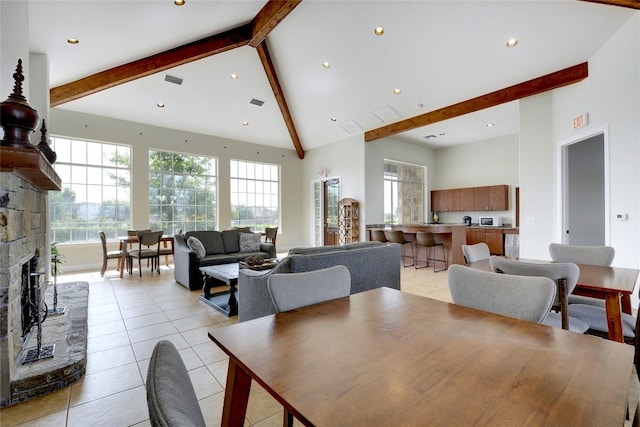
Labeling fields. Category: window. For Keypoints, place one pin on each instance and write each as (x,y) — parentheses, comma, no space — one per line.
(403,193)
(95,192)
(182,192)
(255,195)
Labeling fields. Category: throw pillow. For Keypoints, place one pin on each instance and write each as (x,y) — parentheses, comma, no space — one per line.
(197,246)
(249,242)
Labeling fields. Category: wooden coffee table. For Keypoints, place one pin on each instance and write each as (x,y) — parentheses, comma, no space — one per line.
(225,302)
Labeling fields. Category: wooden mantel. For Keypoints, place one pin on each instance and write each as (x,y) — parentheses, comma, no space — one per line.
(31,165)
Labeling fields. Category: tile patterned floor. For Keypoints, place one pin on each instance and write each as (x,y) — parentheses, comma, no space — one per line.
(126,318)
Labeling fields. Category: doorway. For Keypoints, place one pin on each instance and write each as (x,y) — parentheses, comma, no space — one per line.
(326,199)
(585,196)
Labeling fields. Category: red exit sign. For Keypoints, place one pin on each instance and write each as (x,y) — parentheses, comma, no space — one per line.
(580,121)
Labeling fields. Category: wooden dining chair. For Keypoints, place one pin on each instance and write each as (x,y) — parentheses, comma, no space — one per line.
(522,297)
(593,255)
(107,255)
(148,248)
(171,399)
(564,274)
(271,234)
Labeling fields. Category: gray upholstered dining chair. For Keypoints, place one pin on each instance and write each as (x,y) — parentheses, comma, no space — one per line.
(593,255)
(293,290)
(171,400)
(148,248)
(477,252)
(564,274)
(107,255)
(522,297)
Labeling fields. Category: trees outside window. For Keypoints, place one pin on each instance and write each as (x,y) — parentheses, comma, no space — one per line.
(255,195)
(182,191)
(95,194)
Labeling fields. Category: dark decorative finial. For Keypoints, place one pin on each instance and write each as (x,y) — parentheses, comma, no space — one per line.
(44,145)
(18,76)
(17,118)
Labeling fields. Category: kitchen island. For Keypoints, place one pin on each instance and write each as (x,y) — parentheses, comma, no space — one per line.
(454,236)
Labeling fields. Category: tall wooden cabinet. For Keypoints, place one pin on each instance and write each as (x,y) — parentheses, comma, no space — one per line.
(349,221)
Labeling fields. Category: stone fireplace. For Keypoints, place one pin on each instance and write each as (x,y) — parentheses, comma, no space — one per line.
(26,175)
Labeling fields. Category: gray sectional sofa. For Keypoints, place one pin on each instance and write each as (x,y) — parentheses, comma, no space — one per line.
(371,264)
(222,247)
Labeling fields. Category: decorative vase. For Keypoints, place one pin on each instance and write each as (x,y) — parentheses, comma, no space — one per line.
(435,217)
(45,146)
(18,119)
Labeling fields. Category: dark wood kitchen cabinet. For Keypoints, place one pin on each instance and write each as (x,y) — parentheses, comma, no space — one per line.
(489,198)
(493,238)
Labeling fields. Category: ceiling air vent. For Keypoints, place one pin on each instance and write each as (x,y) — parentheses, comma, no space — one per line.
(256,102)
(173,79)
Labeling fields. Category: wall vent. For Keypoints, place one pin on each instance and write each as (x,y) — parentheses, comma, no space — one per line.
(256,102)
(173,79)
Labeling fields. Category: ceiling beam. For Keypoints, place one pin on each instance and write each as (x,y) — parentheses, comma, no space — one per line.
(522,90)
(270,70)
(268,18)
(151,64)
(633,4)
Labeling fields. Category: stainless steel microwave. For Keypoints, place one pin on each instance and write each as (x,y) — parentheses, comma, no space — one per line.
(491,221)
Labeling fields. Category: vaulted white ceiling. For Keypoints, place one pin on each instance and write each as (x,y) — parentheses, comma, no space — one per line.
(436,52)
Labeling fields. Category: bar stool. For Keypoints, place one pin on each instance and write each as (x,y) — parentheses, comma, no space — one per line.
(379,236)
(430,242)
(397,236)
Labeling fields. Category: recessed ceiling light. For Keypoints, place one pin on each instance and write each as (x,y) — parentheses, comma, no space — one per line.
(378,31)
(73,41)
(326,64)
(234,76)
(333,119)
(179,2)
(490,125)
(512,43)
(245,123)
(397,91)
(160,104)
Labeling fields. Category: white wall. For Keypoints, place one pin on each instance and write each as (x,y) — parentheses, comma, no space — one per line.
(490,162)
(611,96)
(392,149)
(343,159)
(142,138)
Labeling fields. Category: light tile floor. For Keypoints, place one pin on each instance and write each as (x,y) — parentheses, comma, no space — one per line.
(126,318)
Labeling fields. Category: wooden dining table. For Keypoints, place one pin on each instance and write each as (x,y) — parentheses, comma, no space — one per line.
(612,284)
(125,241)
(385,357)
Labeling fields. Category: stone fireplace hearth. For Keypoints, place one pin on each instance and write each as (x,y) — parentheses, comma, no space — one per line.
(23,219)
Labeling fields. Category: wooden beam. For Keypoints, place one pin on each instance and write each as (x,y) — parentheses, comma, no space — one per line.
(522,90)
(152,64)
(270,70)
(269,17)
(633,4)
